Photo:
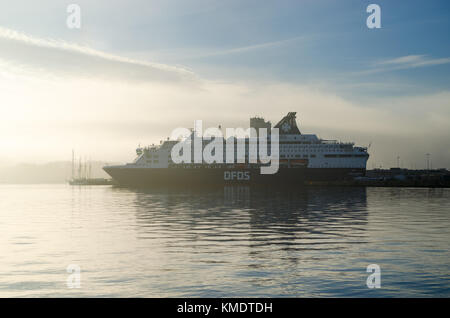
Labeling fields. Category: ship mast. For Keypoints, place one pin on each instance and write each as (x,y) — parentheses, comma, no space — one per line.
(90,169)
(79,169)
(73,164)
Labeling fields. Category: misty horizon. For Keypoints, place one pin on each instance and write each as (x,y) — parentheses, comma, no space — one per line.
(243,153)
(103,89)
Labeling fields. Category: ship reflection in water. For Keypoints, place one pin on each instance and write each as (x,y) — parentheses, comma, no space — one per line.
(257,217)
(242,241)
(226,241)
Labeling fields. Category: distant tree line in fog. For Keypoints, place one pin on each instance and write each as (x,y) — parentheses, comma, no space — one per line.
(52,172)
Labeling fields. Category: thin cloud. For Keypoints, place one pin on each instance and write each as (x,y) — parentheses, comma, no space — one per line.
(63,58)
(205,52)
(411,61)
(403,60)
(403,63)
(257,46)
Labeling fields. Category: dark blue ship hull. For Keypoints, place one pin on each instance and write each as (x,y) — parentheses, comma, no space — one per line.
(204,176)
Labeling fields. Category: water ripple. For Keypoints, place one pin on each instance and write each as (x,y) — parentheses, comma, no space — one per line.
(232,241)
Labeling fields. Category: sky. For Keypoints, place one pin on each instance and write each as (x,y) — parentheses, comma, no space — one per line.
(135,70)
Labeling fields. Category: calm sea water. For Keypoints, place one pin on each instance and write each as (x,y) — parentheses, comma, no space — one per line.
(223,242)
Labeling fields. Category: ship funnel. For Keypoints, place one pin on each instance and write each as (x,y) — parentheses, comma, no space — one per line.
(288,125)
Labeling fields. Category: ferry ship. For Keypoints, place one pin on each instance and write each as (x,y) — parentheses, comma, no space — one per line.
(303,158)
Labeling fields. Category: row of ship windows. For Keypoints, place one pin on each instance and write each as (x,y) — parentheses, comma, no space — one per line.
(282,149)
(299,156)
(303,150)
(346,156)
(311,150)
(326,156)
(314,145)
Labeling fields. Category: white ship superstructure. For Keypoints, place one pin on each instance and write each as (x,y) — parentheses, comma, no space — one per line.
(303,155)
(293,145)
(322,153)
